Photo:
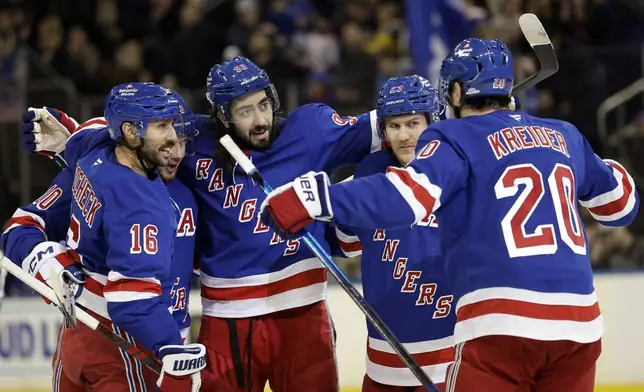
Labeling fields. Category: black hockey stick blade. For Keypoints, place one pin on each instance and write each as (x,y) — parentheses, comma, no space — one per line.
(538,39)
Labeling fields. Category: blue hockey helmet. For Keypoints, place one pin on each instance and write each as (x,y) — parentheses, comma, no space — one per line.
(235,78)
(407,95)
(483,68)
(140,103)
(187,121)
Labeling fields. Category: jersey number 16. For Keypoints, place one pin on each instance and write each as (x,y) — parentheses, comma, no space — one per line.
(561,186)
(144,239)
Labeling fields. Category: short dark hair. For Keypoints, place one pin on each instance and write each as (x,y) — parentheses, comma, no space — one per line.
(479,103)
(223,159)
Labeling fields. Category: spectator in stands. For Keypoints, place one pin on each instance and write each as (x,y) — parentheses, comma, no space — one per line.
(50,39)
(337,52)
(248,16)
(615,247)
(389,28)
(318,88)
(128,62)
(280,68)
(321,48)
(354,80)
(189,42)
(503,24)
(108,32)
(81,61)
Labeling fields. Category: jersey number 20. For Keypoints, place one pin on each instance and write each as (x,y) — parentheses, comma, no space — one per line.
(561,186)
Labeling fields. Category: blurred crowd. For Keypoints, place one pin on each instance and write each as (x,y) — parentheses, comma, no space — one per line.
(333,51)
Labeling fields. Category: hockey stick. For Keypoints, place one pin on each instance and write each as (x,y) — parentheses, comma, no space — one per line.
(66,303)
(310,241)
(538,39)
(84,317)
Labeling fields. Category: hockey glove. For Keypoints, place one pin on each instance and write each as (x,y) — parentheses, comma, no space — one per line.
(45,132)
(182,367)
(291,207)
(50,260)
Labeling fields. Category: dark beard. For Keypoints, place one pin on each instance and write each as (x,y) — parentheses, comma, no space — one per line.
(249,143)
(148,160)
(151,157)
(223,159)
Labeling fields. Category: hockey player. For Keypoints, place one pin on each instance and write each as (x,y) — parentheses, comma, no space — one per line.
(126,251)
(403,277)
(255,286)
(46,220)
(175,288)
(504,186)
(35,227)
(42,224)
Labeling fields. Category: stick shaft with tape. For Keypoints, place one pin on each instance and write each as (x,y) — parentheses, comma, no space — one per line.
(82,316)
(310,241)
(538,39)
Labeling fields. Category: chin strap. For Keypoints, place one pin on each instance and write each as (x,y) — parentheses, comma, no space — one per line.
(150,171)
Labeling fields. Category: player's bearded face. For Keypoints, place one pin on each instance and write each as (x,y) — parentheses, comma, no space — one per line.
(159,141)
(402,133)
(252,119)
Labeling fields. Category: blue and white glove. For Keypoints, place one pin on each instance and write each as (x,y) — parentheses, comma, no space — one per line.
(182,365)
(289,208)
(51,260)
(45,132)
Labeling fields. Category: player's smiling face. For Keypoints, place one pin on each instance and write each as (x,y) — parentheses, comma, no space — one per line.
(252,115)
(177,152)
(160,141)
(402,133)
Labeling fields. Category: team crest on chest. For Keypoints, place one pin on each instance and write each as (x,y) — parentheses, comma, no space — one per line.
(187,225)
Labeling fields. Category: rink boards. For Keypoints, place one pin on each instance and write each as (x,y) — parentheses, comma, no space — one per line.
(28,329)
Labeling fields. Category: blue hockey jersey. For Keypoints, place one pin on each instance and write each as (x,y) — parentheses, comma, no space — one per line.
(246,269)
(504,187)
(177,288)
(46,219)
(122,226)
(404,280)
